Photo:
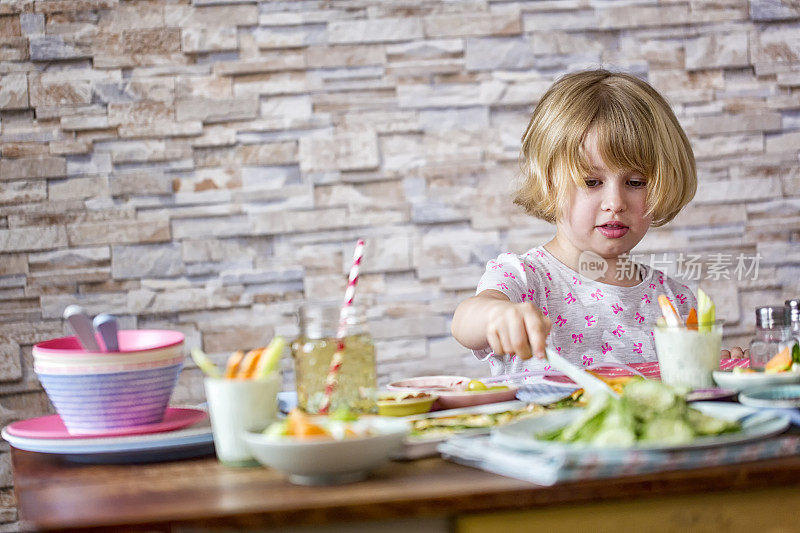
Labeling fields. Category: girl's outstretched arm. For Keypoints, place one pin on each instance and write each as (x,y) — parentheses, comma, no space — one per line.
(491,320)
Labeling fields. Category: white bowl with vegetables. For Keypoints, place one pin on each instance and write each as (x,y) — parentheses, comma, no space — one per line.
(324,450)
(649,416)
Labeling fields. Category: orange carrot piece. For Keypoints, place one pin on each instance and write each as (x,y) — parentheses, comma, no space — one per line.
(232,366)
(247,368)
(691,320)
(668,310)
(299,425)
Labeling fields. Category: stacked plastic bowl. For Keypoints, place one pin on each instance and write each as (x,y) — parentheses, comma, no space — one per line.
(97,392)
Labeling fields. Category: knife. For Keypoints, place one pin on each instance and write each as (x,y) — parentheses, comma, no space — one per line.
(590,384)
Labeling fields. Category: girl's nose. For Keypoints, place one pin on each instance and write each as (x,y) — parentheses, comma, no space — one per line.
(613,200)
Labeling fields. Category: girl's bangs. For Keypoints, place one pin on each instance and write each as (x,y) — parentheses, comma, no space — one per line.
(623,143)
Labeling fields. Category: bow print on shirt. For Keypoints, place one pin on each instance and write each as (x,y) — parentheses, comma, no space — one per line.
(528,295)
(576,339)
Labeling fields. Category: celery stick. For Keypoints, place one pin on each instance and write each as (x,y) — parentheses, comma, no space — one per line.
(205,364)
(706,311)
(269,359)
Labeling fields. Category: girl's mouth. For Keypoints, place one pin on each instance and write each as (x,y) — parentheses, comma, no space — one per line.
(613,230)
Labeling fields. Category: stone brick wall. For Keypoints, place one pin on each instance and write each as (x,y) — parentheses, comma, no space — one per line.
(207,165)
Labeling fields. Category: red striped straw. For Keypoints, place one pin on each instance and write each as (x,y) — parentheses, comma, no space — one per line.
(336,361)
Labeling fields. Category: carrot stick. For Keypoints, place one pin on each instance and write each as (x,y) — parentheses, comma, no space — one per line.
(669,312)
(234,362)
(248,367)
(691,320)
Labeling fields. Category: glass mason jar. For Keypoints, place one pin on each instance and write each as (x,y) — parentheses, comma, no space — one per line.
(312,351)
(773,334)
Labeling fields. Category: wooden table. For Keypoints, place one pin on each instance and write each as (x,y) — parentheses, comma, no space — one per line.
(183,495)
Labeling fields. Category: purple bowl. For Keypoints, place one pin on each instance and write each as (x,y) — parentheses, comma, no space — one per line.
(93,403)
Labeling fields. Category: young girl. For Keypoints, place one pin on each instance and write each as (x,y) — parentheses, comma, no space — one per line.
(605,158)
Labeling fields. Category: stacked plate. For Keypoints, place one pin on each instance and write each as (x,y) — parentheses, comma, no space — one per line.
(183,433)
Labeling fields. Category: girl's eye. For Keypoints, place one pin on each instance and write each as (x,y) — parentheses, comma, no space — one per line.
(591,182)
(638,184)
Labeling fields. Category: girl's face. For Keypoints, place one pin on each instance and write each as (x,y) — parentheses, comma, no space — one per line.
(608,217)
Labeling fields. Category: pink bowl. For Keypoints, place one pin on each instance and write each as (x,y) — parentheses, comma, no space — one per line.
(104,391)
(141,349)
(130,340)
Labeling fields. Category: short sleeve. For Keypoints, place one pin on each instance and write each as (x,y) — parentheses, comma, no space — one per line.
(511,275)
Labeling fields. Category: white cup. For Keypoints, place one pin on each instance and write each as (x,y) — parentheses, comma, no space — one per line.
(687,357)
(238,405)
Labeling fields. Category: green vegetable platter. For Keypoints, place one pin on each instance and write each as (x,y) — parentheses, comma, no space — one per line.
(649,416)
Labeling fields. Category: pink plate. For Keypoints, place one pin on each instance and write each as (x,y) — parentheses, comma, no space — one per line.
(456,399)
(430,383)
(452,392)
(51,426)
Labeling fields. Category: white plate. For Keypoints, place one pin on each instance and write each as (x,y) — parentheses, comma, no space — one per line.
(520,435)
(325,462)
(784,396)
(194,441)
(419,447)
(745,380)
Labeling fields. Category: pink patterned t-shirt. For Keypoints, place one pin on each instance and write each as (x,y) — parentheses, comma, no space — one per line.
(592,322)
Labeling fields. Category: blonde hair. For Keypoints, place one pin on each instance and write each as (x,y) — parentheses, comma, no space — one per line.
(636,131)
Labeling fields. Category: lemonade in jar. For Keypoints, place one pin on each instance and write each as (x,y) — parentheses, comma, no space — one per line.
(312,351)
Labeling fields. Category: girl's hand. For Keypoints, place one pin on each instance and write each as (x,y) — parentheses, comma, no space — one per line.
(735,353)
(517,329)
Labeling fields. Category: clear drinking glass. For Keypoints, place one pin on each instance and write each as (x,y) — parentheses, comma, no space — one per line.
(688,355)
(312,351)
